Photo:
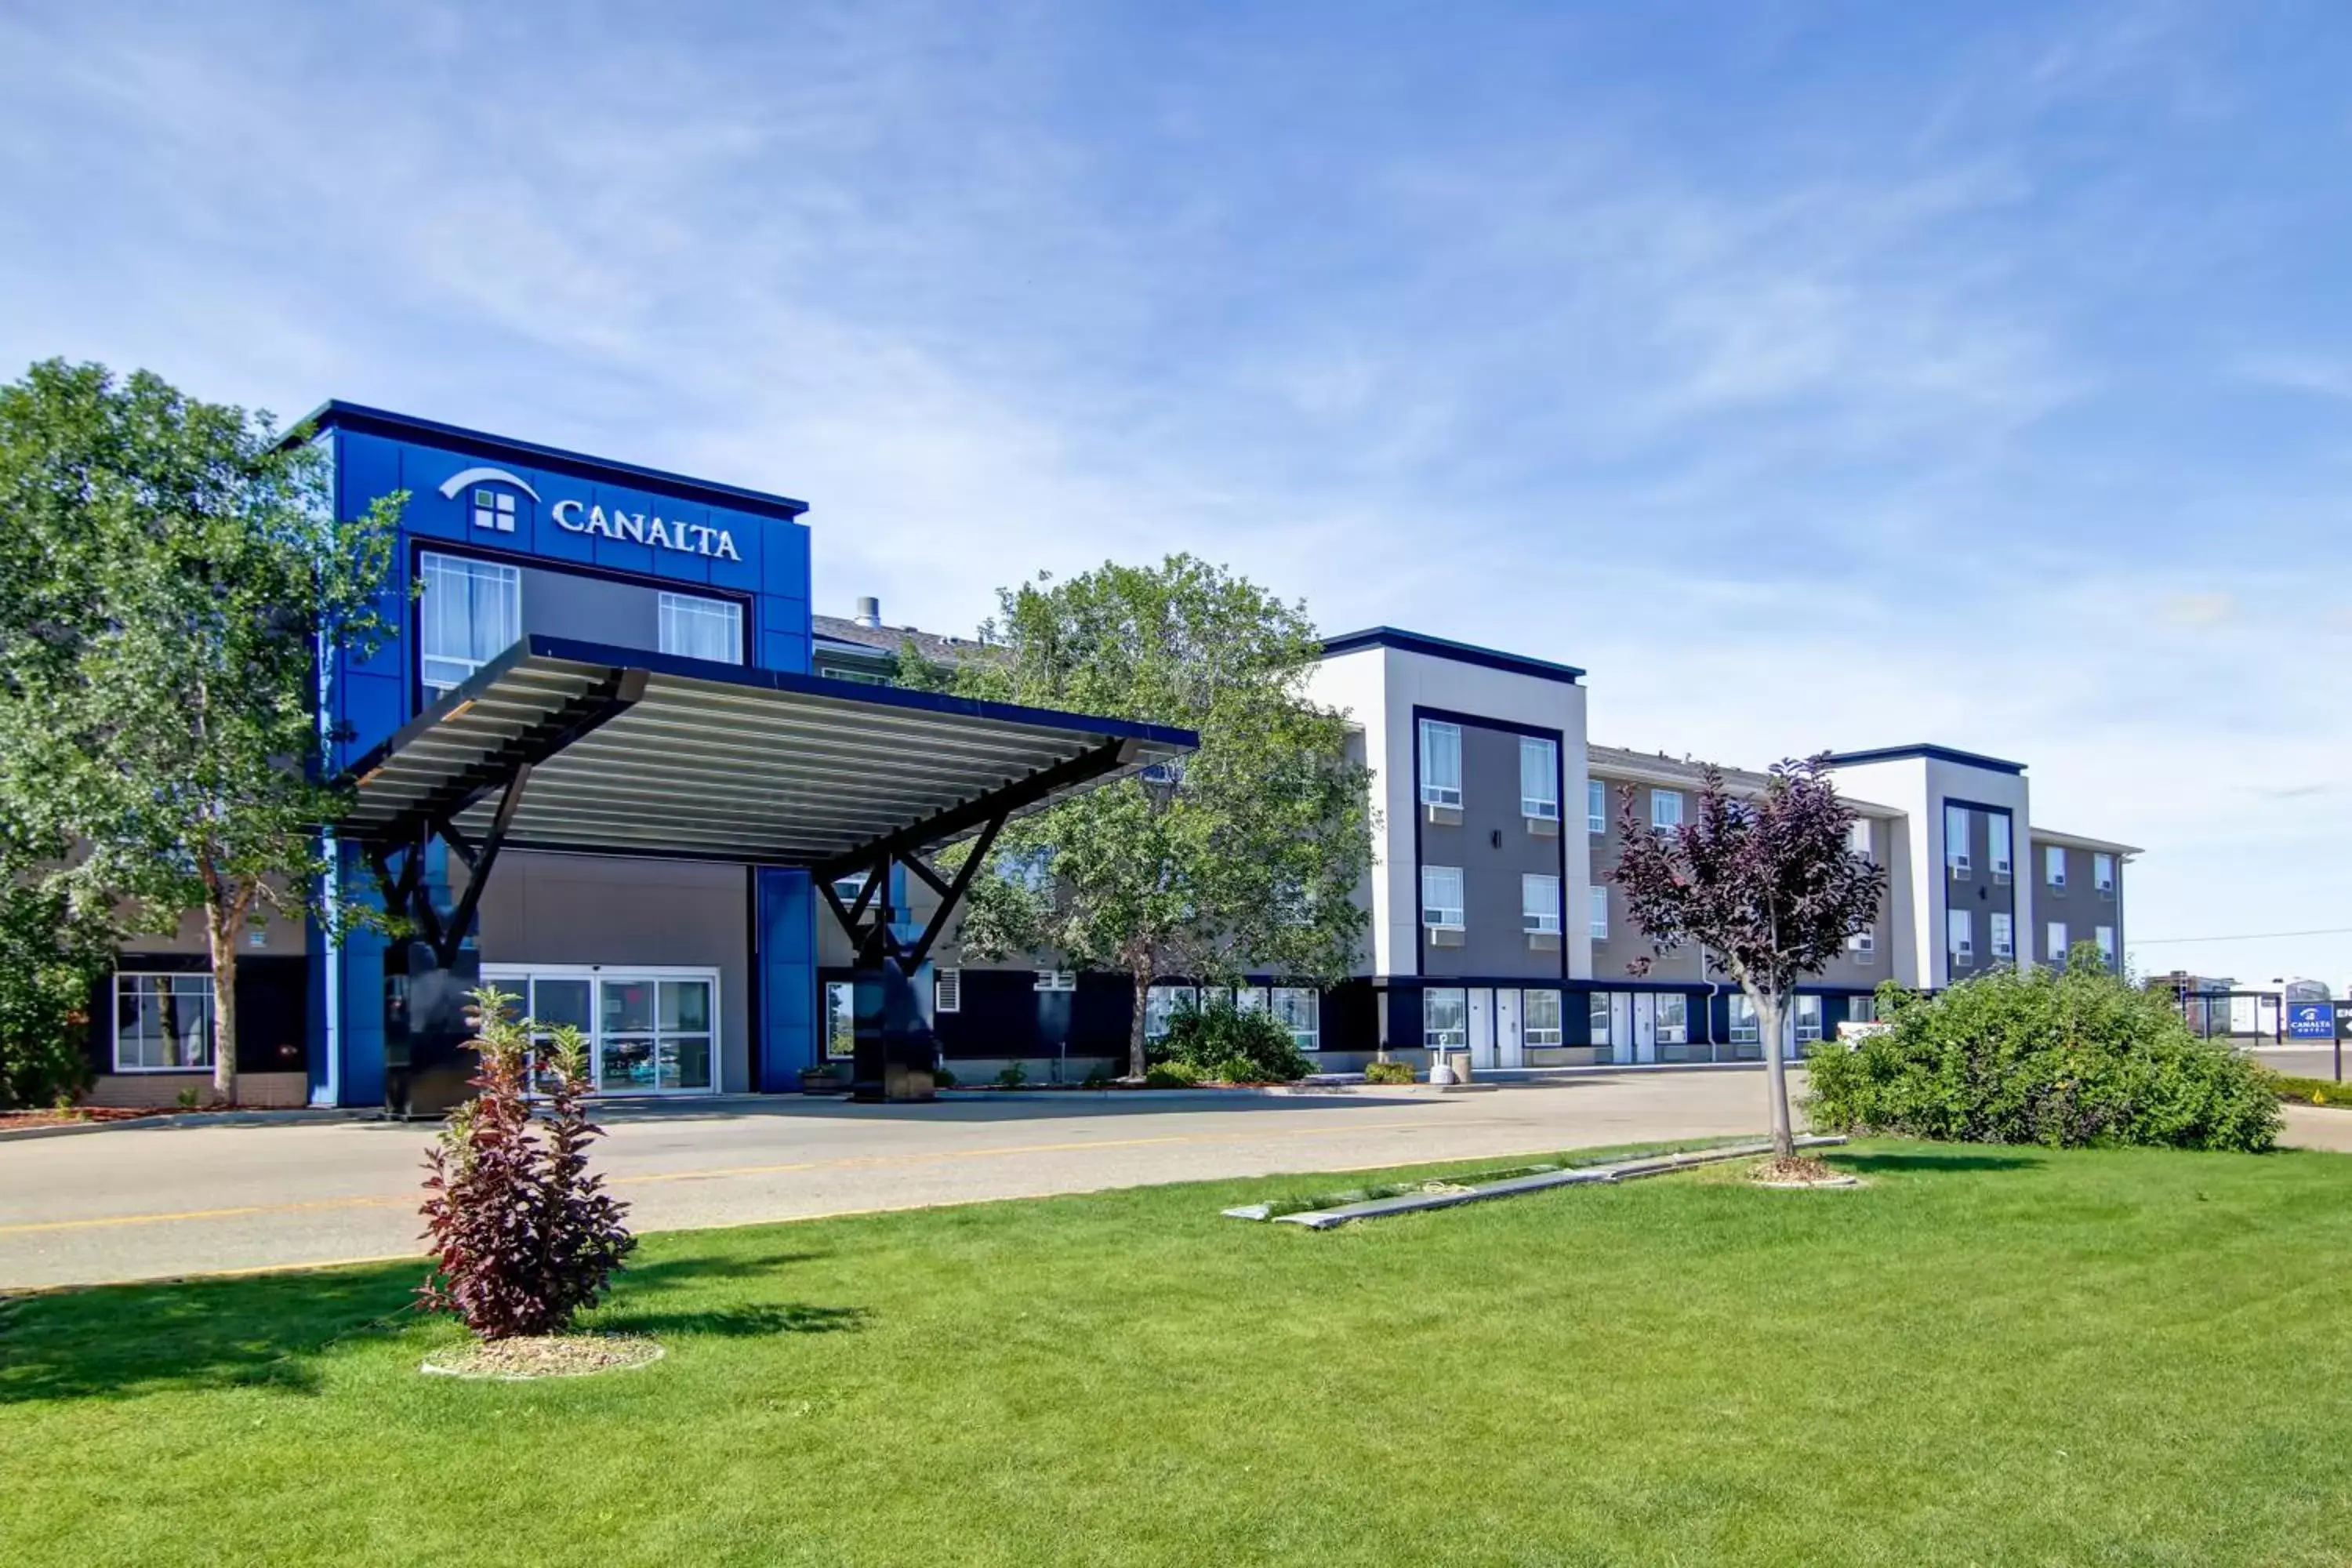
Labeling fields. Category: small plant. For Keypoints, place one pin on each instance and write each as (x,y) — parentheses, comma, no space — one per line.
(189,1098)
(1171,1075)
(1096,1079)
(942,1077)
(1386,1072)
(1013,1076)
(522,1233)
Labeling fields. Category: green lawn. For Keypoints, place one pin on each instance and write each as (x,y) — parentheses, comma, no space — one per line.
(1984,1356)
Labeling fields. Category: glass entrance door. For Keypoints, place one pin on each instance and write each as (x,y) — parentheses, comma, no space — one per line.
(648,1033)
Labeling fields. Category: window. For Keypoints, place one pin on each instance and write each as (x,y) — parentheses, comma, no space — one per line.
(702,628)
(1596,806)
(1808,1018)
(1673,1020)
(470,613)
(1959,936)
(1598,1013)
(2004,941)
(1539,902)
(1159,1005)
(1744,1029)
(840,1021)
(1997,830)
(2054,867)
(1666,808)
(1539,779)
(1249,999)
(1539,1017)
(494,510)
(652,1034)
(1298,1009)
(1858,837)
(947,991)
(1053,980)
(1597,913)
(1444,1019)
(846,888)
(1863,945)
(1440,897)
(2103,874)
(1955,840)
(2057,936)
(1861,1009)
(2106,937)
(1441,763)
(163,1023)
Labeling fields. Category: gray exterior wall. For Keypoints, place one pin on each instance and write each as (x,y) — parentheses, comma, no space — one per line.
(2080,906)
(1617,956)
(1494,848)
(1983,894)
(625,913)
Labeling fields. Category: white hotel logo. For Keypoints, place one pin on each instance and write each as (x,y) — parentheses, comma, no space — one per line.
(494,510)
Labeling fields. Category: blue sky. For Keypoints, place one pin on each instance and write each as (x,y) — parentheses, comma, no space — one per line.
(1816,375)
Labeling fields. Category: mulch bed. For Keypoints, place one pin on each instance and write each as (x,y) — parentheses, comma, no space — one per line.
(544,1355)
(12,1120)
(1797,1171)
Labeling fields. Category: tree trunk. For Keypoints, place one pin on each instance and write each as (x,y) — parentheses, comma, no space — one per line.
(1769,1005)
(221,933)
(1142,973)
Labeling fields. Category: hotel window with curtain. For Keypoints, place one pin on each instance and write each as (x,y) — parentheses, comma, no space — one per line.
(1441,763)
(470,612)
(1539,779)
(1596,806)
(1540,903)
(1542,1023)
(697,627)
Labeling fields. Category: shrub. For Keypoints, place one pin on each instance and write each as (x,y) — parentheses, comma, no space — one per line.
(1013,1076)
(1386,1072)
(942,1077)
(1096,1079)
(1222,1041)
(2060,1057)
(1171,1075)
(523,1235)
(50,960)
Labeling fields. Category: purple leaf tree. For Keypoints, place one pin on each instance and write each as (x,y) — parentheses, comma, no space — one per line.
(1768,887)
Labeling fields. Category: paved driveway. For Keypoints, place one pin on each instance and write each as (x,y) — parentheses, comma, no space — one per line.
(136,1202)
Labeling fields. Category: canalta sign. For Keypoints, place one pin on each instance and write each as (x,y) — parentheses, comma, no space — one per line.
(494,508)
(686,538)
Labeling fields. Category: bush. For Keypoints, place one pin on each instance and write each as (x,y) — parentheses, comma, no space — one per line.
(523,1235)
(1222,1041)
(1013,1076)
(1386,1072)
(2063,1058)
(1171,1075)
(50,961)
(943,1079)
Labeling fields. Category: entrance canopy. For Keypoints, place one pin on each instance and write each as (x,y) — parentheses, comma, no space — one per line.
(619,751)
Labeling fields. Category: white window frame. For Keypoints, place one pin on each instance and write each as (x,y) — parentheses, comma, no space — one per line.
(1747,1024)
(1677,1033)
(1545,756)
(519,976)
(1432,792)
(1960,937)
(1160,1003)
(1454,1039)
(2053,866)
(1438,884)
(1596,911)
(1534,914)
(1858,837)
(947,991)
(2106,937)
(443,563)
(2054,936)
(1053,980)
(1600,1018)
(1299,1009)
(1956,857)
(2103,874)
(1807,1010)
(672,610)
(2002,935)
(833,1047)
(1861,1009)
(1998,846)
(211,1022)
(1542,1035)
(1596,805)
(1666,809)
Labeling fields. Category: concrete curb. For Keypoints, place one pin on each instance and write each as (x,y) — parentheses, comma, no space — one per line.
(189,1118)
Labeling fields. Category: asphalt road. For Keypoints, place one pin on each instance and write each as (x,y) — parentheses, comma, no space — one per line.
(144,1201)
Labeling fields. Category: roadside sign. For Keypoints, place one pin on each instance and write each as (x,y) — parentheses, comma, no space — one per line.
(2310,1021)
(2344,1020)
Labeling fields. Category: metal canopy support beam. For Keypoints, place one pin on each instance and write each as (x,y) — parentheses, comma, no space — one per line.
(996,804)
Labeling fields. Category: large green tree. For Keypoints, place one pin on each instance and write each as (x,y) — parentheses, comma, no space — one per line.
(172,573)
(1246,855)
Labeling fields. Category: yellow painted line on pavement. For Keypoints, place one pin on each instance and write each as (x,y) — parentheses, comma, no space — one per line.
(852,1161)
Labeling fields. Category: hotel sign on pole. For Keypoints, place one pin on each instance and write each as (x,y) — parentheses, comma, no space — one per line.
(2310,1021)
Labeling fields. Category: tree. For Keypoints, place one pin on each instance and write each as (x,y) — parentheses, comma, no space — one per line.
(172,573)
(51,956)
(1770,887)
(1244,855)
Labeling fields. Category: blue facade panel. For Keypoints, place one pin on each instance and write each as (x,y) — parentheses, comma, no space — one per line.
(559,510)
